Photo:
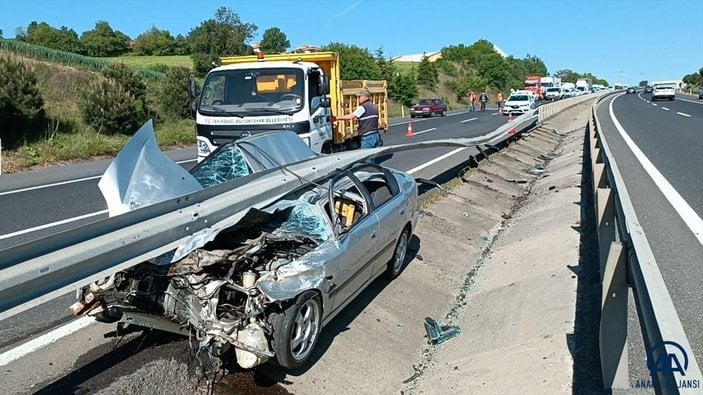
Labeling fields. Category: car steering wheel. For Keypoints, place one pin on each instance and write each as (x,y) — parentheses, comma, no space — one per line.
(290,95)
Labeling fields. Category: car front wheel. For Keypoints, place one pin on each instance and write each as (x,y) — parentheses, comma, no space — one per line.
(395,266)
(296,329)
(444,113)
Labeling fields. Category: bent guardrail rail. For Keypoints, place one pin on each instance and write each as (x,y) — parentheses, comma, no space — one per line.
(36,272)
(626,260)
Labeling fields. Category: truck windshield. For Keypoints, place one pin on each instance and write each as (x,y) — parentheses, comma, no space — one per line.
(251,91)
(530,84)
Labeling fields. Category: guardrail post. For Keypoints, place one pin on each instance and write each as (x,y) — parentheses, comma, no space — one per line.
(605,224)
(613,319)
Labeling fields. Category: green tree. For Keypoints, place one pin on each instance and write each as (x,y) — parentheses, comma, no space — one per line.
(427,74)
(21,104)
(694,79)
(133,84)
(404,88)
(63,39)
(274,41)
(102,41)
(643,83)
(535,66)
(356,63)
(181,45)
(154,42)
(225,35)
(173,93)
(108,108)
(567,75)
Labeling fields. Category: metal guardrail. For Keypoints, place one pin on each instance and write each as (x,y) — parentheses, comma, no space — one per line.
(626,260)
(36,272)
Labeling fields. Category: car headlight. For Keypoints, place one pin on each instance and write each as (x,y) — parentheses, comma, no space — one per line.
(203,148)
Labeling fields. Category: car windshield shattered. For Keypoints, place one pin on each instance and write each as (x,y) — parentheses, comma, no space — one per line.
(226,164)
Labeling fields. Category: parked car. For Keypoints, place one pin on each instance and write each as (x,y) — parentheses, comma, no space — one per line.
(648,89)
(631,89)
(266,285)
(519,104)
(663,92)
(428,108)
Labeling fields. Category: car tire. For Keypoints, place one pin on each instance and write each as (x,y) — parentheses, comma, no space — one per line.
(397,262)
(296,330)
(444,113)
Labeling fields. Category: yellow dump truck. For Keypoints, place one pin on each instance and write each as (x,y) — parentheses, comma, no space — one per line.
(295,91)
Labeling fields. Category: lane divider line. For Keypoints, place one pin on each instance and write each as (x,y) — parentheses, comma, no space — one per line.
(55,184)
(468,120)
(683,209)
(654,104)
(435,160)
(57,223)
(45,339)
(665,109)
(684,114)
(425,131)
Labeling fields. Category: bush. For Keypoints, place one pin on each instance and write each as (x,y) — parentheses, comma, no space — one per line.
(21,104)
(109,108)
(173,93)
(126,76)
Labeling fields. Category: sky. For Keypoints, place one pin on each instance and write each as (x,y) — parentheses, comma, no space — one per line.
(628,39)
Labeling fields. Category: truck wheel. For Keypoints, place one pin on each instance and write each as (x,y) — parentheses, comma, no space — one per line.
(296,329)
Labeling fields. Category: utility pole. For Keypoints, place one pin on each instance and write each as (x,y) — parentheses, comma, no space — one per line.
(620,81)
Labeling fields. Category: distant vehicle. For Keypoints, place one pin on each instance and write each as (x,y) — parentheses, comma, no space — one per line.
(533,83)
(525,92)
(519,104)
(647,89)
(553,94)
(428,108)
(549,82)
(663,91)
(583,85)
(631,90)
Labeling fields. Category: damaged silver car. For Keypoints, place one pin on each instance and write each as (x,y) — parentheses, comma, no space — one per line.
(268,284)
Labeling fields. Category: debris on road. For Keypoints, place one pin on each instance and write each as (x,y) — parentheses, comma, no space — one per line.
(439,334)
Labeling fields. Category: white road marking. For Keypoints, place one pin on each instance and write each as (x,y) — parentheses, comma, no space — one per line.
(692,220)
(495,113)
(68,182)
(664,108)
(50,185)
(654,104)
(426,119)
(435,160)
(44,340)
(468,120)
(699,101)
(684,114)
(424,131)
(57,223)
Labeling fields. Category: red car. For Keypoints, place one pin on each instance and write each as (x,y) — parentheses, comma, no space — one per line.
(428,108)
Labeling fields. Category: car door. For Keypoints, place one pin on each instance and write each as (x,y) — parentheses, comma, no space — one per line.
(389,207)
(357,238)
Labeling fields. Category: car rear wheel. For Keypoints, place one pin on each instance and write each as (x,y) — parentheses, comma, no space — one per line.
(296,329)
(444,113)
(395,266)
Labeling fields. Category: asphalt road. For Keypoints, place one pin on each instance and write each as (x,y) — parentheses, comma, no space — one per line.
(39,203)
(670,135)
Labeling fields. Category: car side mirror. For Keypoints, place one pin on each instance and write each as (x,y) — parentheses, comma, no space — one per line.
(324,85)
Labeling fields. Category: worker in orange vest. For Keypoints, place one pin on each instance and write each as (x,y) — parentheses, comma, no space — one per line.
(472,101)
(500,101)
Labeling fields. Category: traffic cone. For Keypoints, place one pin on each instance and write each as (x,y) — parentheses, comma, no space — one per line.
(500,111)
(410,133)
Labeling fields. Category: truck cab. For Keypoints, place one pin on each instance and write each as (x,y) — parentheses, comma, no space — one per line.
(296,92)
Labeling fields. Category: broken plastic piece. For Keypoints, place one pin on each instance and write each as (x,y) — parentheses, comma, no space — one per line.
(536,170)
(440,334)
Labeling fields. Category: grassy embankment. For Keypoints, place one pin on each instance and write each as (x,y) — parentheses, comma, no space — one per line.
(67,138)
